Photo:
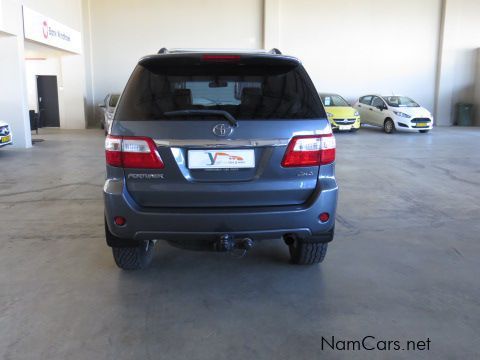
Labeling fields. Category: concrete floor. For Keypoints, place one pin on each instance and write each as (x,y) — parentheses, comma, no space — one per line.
(404,264)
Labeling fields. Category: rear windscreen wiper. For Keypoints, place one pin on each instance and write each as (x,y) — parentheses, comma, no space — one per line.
(223,113)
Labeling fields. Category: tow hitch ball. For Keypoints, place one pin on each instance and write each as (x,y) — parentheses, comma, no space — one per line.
(229,243)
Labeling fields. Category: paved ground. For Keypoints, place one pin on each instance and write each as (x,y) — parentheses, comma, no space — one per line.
(404,264)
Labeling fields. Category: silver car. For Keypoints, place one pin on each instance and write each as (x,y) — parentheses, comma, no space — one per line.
(109,105)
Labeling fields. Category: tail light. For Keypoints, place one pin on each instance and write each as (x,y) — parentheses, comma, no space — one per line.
(310,150)
(132,152)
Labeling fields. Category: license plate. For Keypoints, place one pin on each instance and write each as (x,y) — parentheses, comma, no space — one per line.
(6,139)
(345,127)
(422,124)
(221,159)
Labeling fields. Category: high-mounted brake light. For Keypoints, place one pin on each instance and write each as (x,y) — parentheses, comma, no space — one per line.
(207,57)
(132,152)
(310,150)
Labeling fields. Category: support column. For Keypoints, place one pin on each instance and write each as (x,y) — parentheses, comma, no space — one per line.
(476,95)
(445,71)
(271,24)
(13,93)
(457,57)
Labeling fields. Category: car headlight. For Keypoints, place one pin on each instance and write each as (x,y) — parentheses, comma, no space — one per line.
(356,113)
(398,113)
(329,114)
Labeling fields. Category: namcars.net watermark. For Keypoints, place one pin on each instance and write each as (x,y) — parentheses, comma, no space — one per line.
(372,343)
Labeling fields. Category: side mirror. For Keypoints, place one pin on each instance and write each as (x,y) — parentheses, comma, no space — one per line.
(102,106)
(381,107)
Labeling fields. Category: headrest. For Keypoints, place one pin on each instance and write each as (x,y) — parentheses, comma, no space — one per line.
(249,92)
(182,92)
(182,97)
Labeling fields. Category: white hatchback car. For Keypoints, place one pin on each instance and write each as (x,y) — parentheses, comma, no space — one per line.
(6,137)
(394,113)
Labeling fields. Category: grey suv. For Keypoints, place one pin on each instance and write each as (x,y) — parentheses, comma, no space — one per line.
(217,151)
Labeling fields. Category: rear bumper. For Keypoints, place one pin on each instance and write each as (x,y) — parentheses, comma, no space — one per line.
(207,224)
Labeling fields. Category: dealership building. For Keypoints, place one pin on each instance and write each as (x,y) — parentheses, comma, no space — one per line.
(67,56)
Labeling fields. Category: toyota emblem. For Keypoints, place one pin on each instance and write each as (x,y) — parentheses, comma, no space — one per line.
(222,130)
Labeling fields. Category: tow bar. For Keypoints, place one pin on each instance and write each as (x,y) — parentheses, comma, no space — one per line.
(237,247)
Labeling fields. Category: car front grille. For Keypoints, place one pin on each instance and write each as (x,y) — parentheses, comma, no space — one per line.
(4,130)
(344,121)
(420,120)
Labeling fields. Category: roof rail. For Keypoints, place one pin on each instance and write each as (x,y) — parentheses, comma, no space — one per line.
(164,50)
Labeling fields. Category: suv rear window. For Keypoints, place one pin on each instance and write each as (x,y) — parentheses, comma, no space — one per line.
(255,89)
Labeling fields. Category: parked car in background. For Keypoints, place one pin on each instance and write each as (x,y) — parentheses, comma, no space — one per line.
(394,113)
(108,106)
(6,137)
(341,115)
(217,151)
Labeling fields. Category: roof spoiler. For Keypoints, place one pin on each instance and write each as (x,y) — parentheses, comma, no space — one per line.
(273,51)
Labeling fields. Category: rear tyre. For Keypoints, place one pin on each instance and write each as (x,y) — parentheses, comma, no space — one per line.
(307,253)
(389,126)
(129,255)
(424,131)
(133,258)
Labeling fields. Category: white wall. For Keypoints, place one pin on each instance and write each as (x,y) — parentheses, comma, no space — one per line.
(356,47)
(348,46)
(123,31)
(73,92)
(68,12)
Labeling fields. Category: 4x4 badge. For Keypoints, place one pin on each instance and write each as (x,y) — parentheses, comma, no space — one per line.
(222,130)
